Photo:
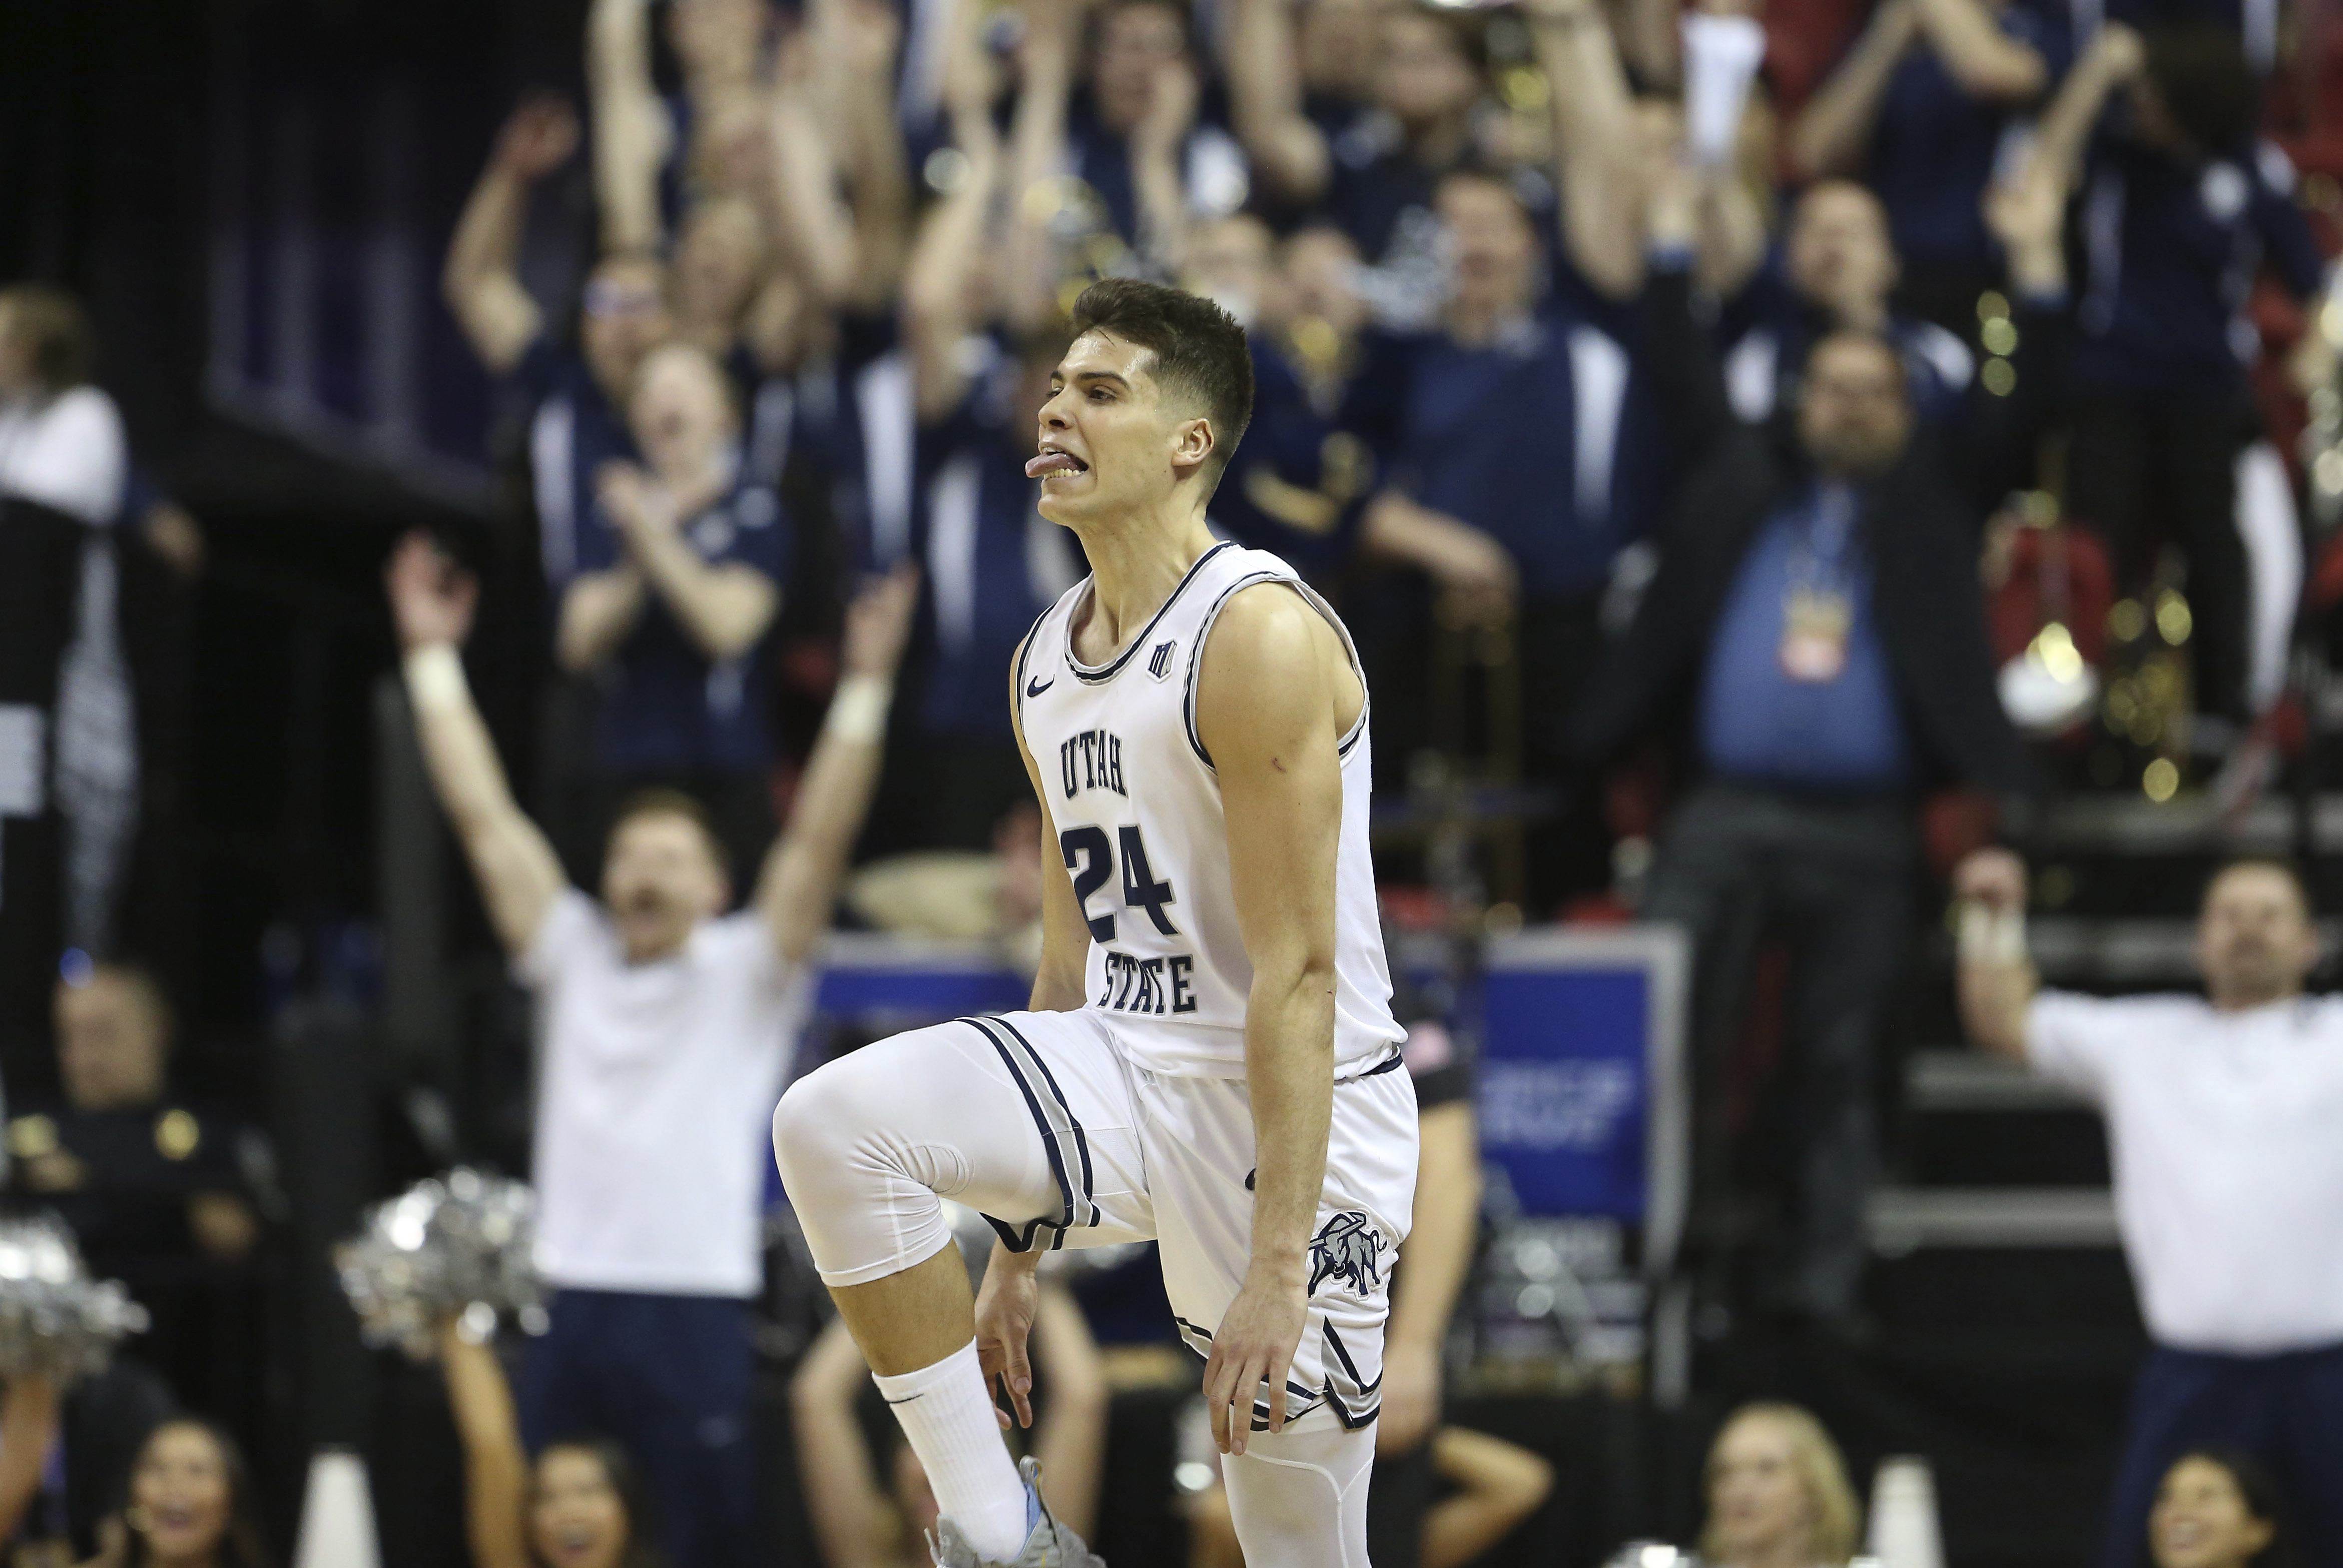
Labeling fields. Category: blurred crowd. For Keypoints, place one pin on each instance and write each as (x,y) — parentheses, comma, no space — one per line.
(1748,448)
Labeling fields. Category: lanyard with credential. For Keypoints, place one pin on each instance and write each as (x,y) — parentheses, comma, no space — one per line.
(1818,608)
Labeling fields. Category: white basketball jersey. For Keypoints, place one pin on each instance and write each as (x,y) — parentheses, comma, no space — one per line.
(1137,809)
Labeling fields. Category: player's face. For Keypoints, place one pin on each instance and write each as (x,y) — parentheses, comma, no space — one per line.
(661,878)
(2255,941)
(1108,445)
(1757,1501)
(577,1519)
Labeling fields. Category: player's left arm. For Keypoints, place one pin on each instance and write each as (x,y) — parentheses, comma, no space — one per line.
(1266,710)
(799,885)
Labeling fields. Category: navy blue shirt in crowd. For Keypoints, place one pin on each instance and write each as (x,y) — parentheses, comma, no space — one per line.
(1535,439)
(666,710)
(1771,329)
(1933,147)
(992,563)
(1298,485)
(573,430)
(1759,724)
(1214,170)
(2172,249)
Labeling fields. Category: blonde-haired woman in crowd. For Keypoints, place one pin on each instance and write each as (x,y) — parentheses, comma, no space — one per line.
(1777,1494)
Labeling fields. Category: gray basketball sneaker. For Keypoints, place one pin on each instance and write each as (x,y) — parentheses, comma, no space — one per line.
(1049,1544)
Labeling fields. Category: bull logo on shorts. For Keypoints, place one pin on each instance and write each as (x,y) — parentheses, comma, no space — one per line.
(1347,1249)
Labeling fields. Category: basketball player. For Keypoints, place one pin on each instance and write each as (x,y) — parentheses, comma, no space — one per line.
(1210,1060)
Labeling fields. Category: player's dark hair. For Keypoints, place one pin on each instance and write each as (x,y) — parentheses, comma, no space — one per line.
(2198,68)
(2257,1491)
(1199,353)
(659,800)
(57,333)
(619,1472)
(241,1544)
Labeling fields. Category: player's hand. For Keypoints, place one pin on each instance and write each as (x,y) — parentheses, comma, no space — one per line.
(431,597)
(1004,1326)
(1411,1393)
(1994,878)
(1254,1345)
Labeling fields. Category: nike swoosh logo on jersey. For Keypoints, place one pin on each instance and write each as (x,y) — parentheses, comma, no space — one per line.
(1036,688)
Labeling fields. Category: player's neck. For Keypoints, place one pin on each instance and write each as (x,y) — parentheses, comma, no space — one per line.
(1133,570)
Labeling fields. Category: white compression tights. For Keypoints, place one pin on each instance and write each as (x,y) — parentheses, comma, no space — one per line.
(1299,1498)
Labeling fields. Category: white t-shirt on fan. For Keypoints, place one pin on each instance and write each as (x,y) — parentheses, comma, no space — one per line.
(655,1101)
(2225,1131)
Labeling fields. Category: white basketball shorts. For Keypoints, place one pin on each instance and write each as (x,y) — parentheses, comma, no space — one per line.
(1042,1123)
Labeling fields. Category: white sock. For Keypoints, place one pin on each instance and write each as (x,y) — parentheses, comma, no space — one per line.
(945,1412)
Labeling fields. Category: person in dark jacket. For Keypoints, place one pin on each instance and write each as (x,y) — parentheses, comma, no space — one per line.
(1814,633)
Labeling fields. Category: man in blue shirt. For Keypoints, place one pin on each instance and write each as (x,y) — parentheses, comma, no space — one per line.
(1814,638)
(2180,210)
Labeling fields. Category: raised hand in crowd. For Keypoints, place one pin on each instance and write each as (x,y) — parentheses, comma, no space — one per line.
(431,601)
(798,888)
(1157,143)
(481,281)
(1597,158)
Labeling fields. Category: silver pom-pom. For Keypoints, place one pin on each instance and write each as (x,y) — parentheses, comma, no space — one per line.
(456,1246)
(54,1320)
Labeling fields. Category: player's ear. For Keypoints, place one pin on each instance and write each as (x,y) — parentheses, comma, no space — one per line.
(1192,442)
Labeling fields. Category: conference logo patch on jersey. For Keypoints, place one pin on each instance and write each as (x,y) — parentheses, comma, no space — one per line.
(1159,663)
(1346,1250)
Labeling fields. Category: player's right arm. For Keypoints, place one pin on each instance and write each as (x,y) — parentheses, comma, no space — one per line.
(1060,984)
(1995,982)
(431,600)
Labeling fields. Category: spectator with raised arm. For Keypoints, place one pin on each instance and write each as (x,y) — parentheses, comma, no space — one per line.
(1919,110)
(1836,270)
(667,1030)
(2221,1111)
(581,1503)
(1372,170)
(574,392)
(1297,486)
(1513,455)
(882,1515)
(2182,206)
(1815,636)
(992,563)
(1126,130)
